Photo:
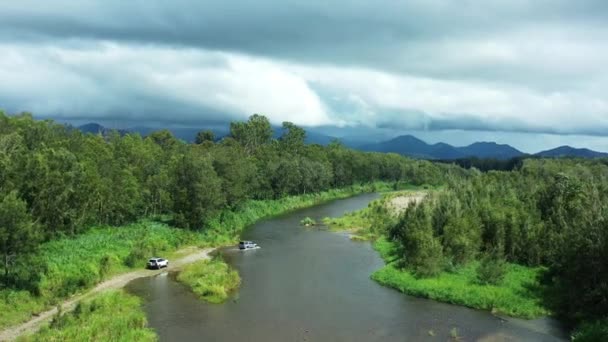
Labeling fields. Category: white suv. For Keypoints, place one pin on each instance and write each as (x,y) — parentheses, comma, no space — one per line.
(158,263)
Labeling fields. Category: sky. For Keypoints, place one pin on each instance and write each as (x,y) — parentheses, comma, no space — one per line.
(529,73)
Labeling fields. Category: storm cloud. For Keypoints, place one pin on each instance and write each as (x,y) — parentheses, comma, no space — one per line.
(508,66)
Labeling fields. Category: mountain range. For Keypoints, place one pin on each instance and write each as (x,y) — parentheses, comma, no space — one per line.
(406,145)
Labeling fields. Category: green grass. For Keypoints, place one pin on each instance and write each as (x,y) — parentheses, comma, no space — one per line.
(112,316)
(212,280)
(518,295)
(71,265)
(366,224)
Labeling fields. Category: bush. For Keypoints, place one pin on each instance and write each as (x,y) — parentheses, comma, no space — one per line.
(212,280)
(491,270)
(592,331)
(308,222)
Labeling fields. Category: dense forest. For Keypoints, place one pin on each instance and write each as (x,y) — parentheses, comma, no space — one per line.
(549,212)
(56,181)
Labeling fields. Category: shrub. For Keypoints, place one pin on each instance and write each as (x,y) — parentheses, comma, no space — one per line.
(308,222)
(491,270)
(211,280)
(592,331)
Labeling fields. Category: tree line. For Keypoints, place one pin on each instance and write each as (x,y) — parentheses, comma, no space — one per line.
(551,213)
(56,181)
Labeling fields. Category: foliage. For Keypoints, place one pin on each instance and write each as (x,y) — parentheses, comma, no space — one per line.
(518,295)
(307,221)
(69,265)
(18,234)
(112,316)
(204,136)
(549,213)
(591,331)
(212,280)
(374,220)
(491,270)
(68,183)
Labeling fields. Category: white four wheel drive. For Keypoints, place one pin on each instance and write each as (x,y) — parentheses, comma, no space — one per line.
(158,263)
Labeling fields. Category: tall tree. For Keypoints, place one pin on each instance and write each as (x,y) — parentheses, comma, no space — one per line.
(204,136)
(18,233)
(252,134)
(197,191)
(293,138)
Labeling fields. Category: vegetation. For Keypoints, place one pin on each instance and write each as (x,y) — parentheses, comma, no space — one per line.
(547,215)
(212,280)
(516,295)
(225,227)
(66,266)
(307,221)
(57,184)
(591,331)
(373,221)
(481,229)
(112,316)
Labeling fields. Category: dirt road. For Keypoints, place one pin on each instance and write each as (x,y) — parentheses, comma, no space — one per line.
(185,256)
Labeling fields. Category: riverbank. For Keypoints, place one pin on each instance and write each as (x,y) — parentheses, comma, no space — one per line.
(226,227)
(183,257)
(369,223)
(111,316)
(519,294)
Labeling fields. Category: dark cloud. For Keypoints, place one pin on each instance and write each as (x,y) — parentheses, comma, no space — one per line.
(431,65)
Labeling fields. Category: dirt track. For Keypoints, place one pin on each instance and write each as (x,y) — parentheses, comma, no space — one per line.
(190,255)
(400,203)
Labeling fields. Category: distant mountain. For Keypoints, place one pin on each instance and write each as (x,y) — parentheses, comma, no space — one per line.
(407,145)
(567,151)
(490,150)
(95,128)
(92,128)
(411,146)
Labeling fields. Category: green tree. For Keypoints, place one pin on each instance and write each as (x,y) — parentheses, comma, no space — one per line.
(252,134)
(422,250)
(292,140)
(204,136)
(197,191)
(18,233)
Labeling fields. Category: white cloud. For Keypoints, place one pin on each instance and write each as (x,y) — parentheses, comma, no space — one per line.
(114,78)
(495,106)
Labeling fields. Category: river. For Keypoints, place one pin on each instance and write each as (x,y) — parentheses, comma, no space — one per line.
(306,284)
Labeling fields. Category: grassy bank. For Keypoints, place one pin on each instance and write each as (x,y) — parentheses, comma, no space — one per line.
(518,295)
(112,316)
(212,280)
(68,266)
(227,226)
(368,223)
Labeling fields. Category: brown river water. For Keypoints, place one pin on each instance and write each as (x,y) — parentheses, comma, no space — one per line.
(313,285)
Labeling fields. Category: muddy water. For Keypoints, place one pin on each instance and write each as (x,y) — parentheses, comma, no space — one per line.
(313,285)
